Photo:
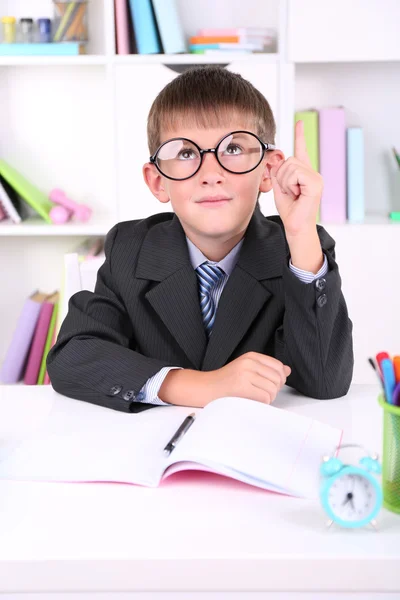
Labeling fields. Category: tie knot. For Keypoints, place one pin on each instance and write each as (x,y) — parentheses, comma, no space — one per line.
(209,275)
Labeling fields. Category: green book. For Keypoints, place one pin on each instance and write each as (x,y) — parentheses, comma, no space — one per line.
(34,197)
(311,133)
(49,339)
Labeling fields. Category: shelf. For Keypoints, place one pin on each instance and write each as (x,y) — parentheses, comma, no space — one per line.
(37,227)
(222,57)
(49,61)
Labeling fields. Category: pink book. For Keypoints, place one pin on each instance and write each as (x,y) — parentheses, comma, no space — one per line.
(13,366)
(39,340)
(332,164)
(121,26)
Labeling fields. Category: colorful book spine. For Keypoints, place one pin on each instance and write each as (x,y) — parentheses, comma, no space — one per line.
(43,49)
(38,343)
(48,344)
(332,156)
(144,26)
(355,175)
(122,26)
(14,362)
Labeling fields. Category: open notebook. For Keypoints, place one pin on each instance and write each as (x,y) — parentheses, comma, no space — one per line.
(261,445)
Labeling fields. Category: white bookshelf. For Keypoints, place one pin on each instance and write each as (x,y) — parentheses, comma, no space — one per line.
(70,122)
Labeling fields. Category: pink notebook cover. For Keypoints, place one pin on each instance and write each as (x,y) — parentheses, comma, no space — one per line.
(332,157)
(121,26)
(38,342)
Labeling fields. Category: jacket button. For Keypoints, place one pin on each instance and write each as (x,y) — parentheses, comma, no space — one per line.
(115,390)
(320,284)
(322,300)
(128,395)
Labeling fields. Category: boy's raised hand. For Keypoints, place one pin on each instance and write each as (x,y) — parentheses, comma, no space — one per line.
(297,188)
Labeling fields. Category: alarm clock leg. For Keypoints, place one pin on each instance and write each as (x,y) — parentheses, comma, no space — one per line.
(329,523)
(374,524)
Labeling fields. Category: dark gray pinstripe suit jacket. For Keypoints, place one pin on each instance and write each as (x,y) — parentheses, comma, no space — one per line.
(145,315)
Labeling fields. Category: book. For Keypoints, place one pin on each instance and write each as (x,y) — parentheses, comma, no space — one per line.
(169,26)
(332,158)
(311,134)
(355,175)
(43,49)
(32,195)
(145,27)
(39,340)
(261,445)
(7,204)
(121,26)
(48,343)
(13,365)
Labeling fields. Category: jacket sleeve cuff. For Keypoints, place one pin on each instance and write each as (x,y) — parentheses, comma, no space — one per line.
(308,276)
(149,392)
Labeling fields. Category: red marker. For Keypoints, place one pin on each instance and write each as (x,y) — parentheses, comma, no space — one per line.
(380,357)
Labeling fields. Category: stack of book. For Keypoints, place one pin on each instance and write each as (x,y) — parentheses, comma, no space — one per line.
(241,39)
(337,152)
(37,328)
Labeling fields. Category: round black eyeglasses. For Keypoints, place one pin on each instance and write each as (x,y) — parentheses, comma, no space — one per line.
(238,152)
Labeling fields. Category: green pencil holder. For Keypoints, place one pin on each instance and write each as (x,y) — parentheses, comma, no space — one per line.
(391,455)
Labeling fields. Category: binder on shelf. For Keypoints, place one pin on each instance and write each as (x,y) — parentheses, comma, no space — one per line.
(355,175)
(144,27)
(121,26)
(48,342)
(39,340)
(169,26)
(32,195)
(332,156)
(14,362)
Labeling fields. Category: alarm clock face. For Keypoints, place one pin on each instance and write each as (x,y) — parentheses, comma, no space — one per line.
(352,497)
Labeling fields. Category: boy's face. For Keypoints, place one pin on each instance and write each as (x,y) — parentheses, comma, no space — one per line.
(195,201)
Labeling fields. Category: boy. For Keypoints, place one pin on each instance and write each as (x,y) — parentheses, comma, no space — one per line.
(151,332)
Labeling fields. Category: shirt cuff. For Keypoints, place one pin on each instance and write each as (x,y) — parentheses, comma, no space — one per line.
(308,276)
(149,392)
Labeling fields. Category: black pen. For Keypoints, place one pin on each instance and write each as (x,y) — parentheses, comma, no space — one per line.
(179,433)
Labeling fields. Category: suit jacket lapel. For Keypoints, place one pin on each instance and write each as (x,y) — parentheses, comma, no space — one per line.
(262,257)
(164,257)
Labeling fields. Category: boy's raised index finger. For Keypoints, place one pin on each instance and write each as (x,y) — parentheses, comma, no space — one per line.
(300,146)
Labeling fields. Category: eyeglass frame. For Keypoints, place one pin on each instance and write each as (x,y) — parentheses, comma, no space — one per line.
(265,148)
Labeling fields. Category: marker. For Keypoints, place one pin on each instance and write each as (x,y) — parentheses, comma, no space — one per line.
(389,380)
(396,366)
(179,433)
(396,395)
(379,358)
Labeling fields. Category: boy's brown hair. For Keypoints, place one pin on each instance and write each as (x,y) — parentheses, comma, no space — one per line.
(207,96)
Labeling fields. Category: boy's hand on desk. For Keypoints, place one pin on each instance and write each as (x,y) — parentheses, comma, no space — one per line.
(297,188)
(252,375)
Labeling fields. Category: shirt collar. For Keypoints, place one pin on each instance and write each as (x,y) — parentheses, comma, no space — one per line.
(227,264)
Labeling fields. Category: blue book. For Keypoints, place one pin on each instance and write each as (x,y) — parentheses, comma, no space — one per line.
(169,26)
(144,27)
(38,49)
(355,175)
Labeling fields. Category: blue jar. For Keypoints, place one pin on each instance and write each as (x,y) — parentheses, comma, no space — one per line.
(44,28)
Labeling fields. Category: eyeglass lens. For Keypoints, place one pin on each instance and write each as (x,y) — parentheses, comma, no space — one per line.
(237,152)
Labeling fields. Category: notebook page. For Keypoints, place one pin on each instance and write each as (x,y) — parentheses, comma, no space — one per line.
(79,441)
(260,444)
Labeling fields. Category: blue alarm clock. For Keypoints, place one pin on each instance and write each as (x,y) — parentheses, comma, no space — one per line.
(351,495)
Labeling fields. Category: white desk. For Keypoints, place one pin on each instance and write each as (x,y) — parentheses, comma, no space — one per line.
(196,533)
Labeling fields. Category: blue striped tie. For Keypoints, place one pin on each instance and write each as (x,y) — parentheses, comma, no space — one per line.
(209,276)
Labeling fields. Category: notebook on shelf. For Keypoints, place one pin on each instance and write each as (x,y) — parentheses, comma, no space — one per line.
(39,339)
(258,444)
